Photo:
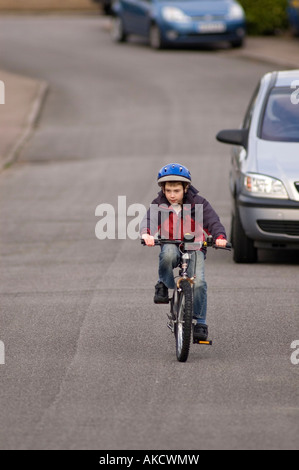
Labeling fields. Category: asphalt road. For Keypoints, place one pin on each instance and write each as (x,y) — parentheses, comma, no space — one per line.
(90,363)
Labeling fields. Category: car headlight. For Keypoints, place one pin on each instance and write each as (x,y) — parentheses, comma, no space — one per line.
(264,186)
(175,15)
(236,12)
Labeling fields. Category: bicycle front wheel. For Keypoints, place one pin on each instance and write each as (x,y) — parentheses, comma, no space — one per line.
(183,325)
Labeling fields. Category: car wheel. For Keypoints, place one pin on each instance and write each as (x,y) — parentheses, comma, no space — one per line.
(107,8)
(118,30)
(238,43)
(156,41)
(244,249)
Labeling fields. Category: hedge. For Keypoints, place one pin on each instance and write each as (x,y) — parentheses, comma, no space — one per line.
(265,16)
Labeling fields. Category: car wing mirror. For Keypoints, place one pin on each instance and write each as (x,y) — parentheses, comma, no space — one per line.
(234,137)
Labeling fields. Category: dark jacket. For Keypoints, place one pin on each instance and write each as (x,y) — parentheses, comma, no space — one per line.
(168,224)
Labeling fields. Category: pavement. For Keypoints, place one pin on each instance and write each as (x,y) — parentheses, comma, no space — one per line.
(277,51)
(25,96)
(19,115)
(38,6)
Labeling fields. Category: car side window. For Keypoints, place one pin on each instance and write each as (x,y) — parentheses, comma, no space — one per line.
(249,113)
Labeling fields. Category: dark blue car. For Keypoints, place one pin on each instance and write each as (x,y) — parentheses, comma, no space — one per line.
(293,12)
(173,22)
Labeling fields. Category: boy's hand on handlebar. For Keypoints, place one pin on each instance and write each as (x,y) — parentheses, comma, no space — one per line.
(221,243)
(149,240)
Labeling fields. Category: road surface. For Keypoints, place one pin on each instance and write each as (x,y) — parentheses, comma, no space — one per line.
(90,363)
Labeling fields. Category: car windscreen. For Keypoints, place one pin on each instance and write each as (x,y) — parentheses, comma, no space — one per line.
(281,118)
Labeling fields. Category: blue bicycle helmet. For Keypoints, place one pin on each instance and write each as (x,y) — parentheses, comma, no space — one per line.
(174,172)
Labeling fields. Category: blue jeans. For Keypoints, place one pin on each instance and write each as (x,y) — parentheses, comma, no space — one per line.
(169,259)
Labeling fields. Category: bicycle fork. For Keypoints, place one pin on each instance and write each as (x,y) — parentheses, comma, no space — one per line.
(175,301)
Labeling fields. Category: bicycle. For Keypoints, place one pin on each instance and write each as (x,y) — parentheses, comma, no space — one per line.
(181,320)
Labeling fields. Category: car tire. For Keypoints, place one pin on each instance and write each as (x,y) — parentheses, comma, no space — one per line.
(244,249)
(118,30)
(107,8)
(238,43)
(156,40)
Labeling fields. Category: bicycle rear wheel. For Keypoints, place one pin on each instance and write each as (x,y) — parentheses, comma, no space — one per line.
(183,325)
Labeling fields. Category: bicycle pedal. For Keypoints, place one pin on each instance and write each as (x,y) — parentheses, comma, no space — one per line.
(205,343)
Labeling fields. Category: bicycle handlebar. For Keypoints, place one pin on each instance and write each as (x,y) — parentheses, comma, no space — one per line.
(205,244)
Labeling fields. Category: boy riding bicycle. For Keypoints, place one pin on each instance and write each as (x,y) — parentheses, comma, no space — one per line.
(177,204)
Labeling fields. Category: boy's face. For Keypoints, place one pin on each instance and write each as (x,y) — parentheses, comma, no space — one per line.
(174,193)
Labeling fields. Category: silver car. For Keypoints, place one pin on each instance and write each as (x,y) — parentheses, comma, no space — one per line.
(264,178)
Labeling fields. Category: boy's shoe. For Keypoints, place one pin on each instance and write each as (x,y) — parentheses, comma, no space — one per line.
(161,294)
(200,332)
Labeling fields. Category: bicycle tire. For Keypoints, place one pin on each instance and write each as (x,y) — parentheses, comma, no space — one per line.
(183,325)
